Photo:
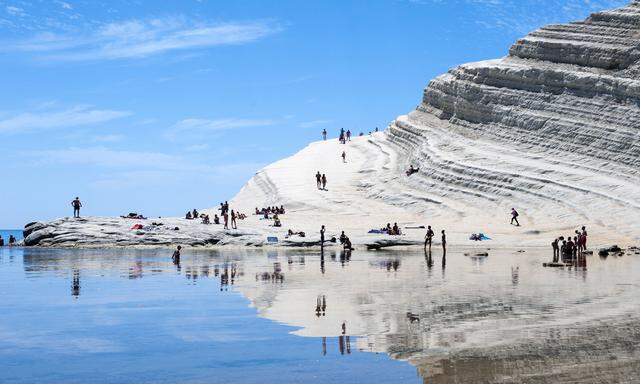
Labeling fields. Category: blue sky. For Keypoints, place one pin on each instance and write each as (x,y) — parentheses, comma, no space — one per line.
(158,107)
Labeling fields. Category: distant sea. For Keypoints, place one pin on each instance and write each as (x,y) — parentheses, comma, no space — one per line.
(15,232)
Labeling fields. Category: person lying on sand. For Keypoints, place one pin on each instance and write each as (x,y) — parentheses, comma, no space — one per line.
(411,170)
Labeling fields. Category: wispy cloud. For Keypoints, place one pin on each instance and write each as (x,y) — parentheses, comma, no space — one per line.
(139,38)
(80,115)
(196,127)
(521,17)
(314,123)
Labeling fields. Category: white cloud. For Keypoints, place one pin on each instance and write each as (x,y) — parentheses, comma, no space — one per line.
(15,11)
(196,127)
(142,38)
(314,123)
(76,116)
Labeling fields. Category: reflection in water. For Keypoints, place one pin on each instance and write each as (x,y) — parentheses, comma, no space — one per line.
(495,317)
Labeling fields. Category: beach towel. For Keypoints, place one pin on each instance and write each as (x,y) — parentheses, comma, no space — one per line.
(136,226)
(272,239)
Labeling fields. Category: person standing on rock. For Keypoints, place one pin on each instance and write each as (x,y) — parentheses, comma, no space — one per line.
(324,134)
(226,220)
(584,238)
(556,250)
(322,230)
(428,237)
(514,216)
(76,204)
(324,182)
(444,242)
(318,180)
(234,224)
(348,135)
(344,156)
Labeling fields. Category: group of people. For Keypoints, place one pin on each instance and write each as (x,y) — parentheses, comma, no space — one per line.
(12,241)
(395,230)
(570,248)
(344,136)
(265,212)
(321,181)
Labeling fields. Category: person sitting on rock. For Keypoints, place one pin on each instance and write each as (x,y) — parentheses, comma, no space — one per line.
(12,240)
(257,211)
(396,229)
(347,243)
(195,214)
(216,219)
(188,215)
(343,237)
(205,219)
(282,209)
(276,221)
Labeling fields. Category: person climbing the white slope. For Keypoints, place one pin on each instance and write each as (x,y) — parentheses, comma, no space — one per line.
(514,216)
(344,156)
(324,134)
(318,180)
(324,182)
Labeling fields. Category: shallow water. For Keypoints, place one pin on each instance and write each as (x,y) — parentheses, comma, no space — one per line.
(293,316)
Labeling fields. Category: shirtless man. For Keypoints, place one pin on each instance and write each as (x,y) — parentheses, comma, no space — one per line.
(76,204)
(322,230)
(556,250)
(428,238)
(324,181)
(318,180)
(234,224)
(225,215)
(584,238)
(344,156)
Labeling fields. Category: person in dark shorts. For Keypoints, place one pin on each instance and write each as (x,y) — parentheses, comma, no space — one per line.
(76,204)
(514,216)
(428,237)
(556,250)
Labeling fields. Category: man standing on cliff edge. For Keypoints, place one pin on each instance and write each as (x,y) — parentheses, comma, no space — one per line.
(76,204)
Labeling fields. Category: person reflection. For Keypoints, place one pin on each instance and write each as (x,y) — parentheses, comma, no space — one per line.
(324,346)
(341,344)
(429,259)
(444,263)
(322,260)
(515,275)
(324,305)
(348,344)
(75,284)
(318,306)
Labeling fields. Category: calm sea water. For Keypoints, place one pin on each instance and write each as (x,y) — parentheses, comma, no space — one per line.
(120,316)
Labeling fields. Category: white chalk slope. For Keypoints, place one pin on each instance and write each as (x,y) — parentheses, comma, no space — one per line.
(552,130)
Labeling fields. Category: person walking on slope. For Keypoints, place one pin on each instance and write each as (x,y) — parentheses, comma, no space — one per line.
(348,135)
(344,156)
(318,180)
(514,216)
(428,237)
(76,204)
(324,182)
(324,134)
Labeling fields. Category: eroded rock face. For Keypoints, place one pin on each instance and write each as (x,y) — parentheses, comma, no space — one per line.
(553,128)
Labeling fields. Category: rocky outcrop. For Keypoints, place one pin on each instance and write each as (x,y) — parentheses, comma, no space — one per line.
(105,231)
